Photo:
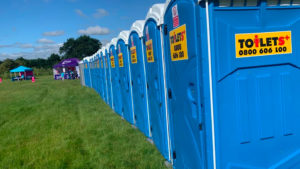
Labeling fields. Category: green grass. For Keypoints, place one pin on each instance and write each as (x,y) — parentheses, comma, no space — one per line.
(55,124)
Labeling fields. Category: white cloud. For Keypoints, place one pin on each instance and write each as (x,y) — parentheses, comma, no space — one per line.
(94,30)
(45,41)
(100,13)
(43,51)
(80,13)
(18,45)
(54,33)
(25,45)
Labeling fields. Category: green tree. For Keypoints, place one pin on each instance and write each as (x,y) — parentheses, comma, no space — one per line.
(21,61)
(80,47)
(7,65)
(53,59)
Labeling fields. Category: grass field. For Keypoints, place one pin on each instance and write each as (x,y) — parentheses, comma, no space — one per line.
(55,124)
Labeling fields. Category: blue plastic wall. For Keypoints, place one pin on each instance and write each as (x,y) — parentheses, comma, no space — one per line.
(139,86)
(88,75)
(104,78)
(93,78)
(98,75)
(156,90)
(93,74)
(115,77)
(109,80)
(125,83)
(101,74)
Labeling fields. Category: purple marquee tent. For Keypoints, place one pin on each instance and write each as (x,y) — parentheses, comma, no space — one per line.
(68,67)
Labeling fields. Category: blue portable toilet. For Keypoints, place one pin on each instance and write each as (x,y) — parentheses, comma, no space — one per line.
(109,78)
(97,74)
(137,65)
(116,82)
(88,72)
(101,81)
(92,68)
(105,79)
(233,83)
(125,76)
(92,71)
(156,82)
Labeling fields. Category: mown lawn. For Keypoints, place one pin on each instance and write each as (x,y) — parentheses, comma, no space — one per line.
(55,124)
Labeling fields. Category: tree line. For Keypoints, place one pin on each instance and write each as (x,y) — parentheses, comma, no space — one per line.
(73,48)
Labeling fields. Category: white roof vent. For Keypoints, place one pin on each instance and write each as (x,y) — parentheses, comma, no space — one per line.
(156,12)
(138,26)
(124,35)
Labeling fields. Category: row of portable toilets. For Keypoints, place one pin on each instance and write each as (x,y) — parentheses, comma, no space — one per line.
(214,84)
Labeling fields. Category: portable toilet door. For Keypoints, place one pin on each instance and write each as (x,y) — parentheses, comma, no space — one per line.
(92,61)
(109,78)
(152,42)
(100,74)
(140,100)
(92,68)
(125,76)
(105,79)
(183,84)
(245,55)
(117,95)
(97,73)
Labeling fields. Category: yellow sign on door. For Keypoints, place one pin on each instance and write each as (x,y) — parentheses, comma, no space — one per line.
(112,61)
(121,62)
(149,51)
(133,55)
(178,44)
(263,44)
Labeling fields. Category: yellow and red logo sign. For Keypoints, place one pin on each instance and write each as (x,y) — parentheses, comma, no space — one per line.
(149,51)
(263,44)
(133,55)
(112,61)
(178,44)
(121,62)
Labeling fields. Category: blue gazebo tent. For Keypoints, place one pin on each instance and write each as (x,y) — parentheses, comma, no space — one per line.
(24,73)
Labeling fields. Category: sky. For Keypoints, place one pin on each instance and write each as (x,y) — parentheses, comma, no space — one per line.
(37,28)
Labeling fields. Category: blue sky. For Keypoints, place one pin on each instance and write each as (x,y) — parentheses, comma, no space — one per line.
(36,28)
